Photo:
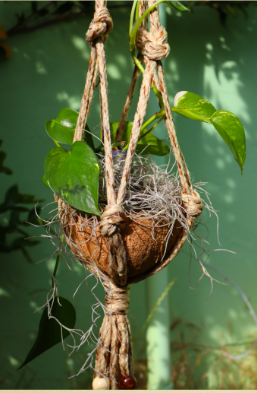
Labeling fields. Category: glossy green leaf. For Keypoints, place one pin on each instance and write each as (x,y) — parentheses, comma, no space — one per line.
(193,106)
(68,118)
(177,5)
(59,132)
(63,127)
(231,130)
(156,147)
(50,332)
(74,176)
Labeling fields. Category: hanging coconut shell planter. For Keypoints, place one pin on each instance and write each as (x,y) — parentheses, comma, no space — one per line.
(122,216)
(127,249)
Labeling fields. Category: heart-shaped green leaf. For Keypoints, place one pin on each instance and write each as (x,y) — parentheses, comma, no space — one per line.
(193,106)
(49,333)
(74,176)
(231,130)
(150,144)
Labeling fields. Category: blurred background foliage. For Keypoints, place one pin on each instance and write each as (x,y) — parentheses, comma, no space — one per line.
(56,11)
(211,55)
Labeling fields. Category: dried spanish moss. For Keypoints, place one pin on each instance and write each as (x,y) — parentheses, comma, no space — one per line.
(151,192)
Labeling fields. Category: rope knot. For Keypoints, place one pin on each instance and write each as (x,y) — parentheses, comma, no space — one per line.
(192,204)
(153,44)
(100,26)
(116,298)
(110,220)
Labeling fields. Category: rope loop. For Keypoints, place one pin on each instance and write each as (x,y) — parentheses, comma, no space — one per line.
(111,219)
(100,26)
(116,298)
(153,44)
(192,204)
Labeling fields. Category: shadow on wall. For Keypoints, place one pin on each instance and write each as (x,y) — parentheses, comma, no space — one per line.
(217,63)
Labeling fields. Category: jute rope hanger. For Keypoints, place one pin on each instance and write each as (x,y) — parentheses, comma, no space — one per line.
(114,358)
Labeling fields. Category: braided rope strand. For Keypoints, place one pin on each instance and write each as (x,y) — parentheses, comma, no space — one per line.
(123,118)
(137,124)
(114,354)
(87,96)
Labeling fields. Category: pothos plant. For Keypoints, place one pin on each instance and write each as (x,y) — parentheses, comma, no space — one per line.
(73,172)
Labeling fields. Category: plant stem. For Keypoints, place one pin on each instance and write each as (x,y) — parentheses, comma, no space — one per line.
(132,13)
(57,144)
(138,23)
(153,118)
(137,10)
(154,126)
(137,62)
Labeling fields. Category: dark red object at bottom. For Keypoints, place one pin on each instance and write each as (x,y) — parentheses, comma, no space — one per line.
(127,382)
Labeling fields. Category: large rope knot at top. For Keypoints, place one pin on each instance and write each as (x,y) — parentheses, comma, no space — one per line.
(100,26)
(153,44)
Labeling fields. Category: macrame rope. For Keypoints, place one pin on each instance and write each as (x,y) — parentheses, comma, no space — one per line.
(96,35)
(87,96)
(154,48)
(117,254)
(137,124)
(123,118)
(114,355)
(190,198)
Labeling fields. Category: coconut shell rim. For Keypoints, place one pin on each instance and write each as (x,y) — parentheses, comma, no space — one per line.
(154,269)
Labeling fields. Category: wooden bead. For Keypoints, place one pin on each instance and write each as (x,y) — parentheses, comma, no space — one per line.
(127,382)
(100,384)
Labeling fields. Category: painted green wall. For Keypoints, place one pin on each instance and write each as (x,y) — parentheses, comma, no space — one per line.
(47,72)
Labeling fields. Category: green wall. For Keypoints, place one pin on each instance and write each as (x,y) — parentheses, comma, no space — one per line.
(47,72)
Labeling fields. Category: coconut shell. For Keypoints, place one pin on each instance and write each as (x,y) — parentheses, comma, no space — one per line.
(144,243)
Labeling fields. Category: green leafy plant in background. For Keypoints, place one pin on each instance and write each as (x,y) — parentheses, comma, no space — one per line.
(14,205)
(73,172)
(51,12)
